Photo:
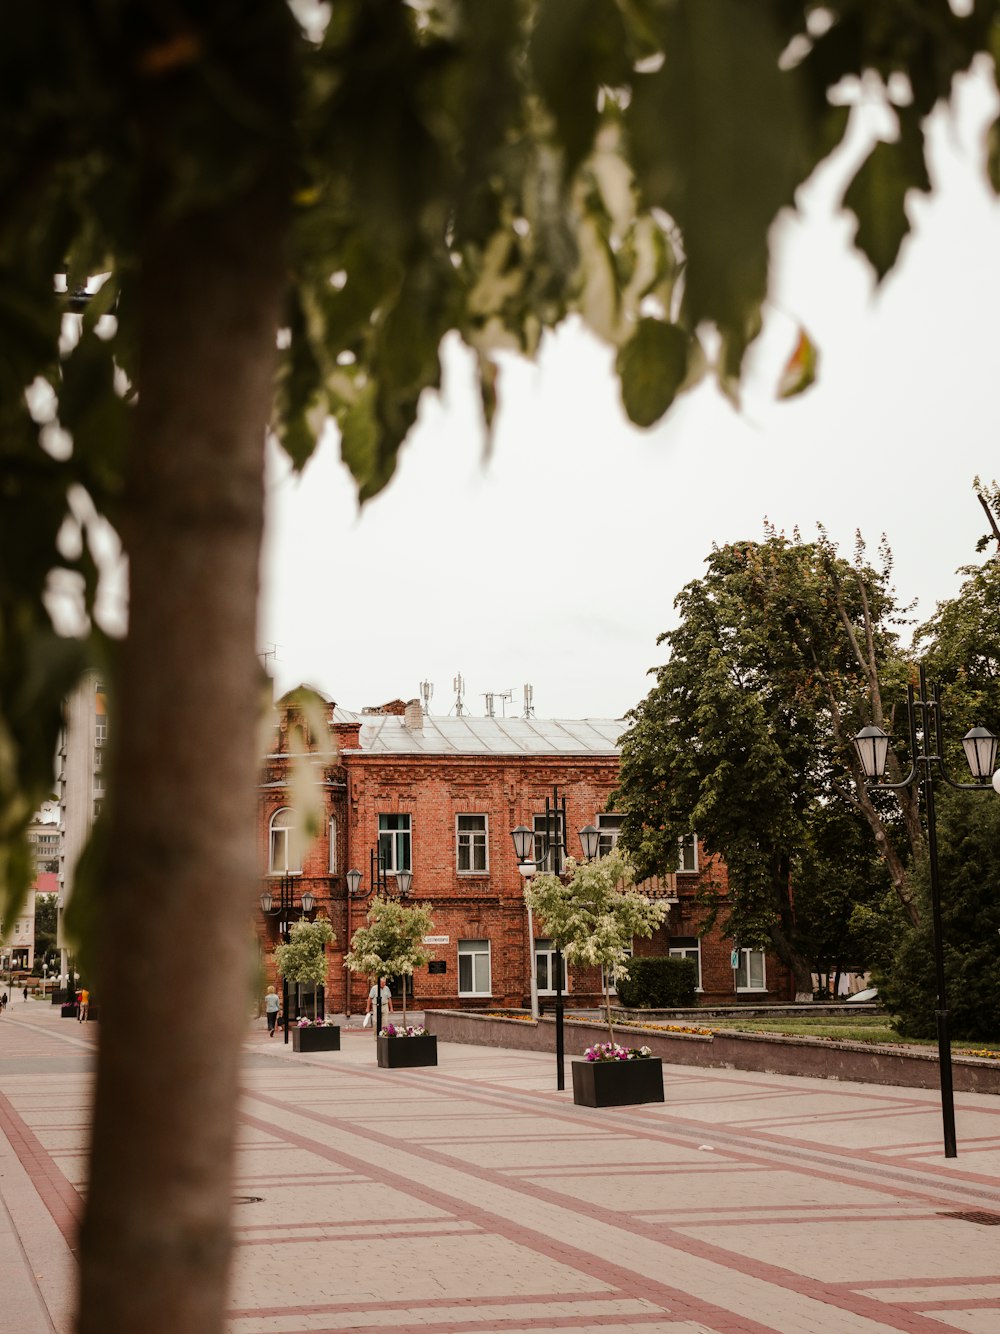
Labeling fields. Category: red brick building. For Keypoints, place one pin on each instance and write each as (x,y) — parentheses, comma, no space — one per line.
(438,797)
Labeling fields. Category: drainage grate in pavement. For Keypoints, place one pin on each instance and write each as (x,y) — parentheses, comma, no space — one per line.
(259,1199)
(972,1216)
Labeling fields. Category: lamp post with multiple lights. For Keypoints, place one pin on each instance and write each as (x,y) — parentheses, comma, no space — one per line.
(379,878)
(533,852)
(923,714)
(284,910)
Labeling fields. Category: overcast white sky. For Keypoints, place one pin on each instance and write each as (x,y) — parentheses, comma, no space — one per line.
(557,559)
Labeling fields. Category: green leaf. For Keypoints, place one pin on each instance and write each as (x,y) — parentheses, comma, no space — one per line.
(652,368)
(877,198)
(717,143)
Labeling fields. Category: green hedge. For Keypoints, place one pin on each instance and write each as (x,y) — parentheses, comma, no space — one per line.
(658,982)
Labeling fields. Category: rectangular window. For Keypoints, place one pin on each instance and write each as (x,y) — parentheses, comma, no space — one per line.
(750,970)
(687,856)
(550,835)
(610,827)
(687,947)
(473,967)
(471,844)
(333,846)
(546,968)
(394,843)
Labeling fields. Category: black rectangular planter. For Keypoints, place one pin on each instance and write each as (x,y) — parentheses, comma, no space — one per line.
(395,1053)
(618,1083)
(316,1039)
(68,1012)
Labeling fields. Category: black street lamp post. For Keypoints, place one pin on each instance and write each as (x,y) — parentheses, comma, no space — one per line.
(923,714)
(284,911)
(552,842)
(379,878)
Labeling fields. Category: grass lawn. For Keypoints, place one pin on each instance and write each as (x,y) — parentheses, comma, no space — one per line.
(852,1028)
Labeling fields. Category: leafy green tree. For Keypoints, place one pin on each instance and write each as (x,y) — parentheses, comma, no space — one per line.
(594,914)
(835,872)
(746,736)
(391,945)
(45,926)
(302,957)
(968,826)
(960,646)
(290,217)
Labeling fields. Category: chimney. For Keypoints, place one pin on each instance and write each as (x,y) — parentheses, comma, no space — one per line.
(413,718)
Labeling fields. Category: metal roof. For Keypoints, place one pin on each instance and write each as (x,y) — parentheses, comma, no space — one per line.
(388,734)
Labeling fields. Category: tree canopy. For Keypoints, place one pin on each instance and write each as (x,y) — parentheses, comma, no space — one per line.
(746,735)
(392,943)
(594,913)
(257,222)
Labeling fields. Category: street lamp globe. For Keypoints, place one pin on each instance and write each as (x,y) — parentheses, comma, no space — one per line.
(308,900)
(404,879)
(353,883)
(872,746)
(590,841)
(980,747)
(266,901)
(524,843)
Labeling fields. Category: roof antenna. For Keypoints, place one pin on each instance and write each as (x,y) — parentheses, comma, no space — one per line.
(458,685)
(426,694)
(491,697)
(529,694)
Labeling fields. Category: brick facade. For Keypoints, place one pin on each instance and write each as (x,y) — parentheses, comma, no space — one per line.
(367,779)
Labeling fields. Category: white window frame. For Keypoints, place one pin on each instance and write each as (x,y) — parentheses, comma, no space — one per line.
(476,951)
(687,845)
(609,824)
(474,841)
(284,857)
(744,969)
(688,952)
(545,952)
(542,827)
(395,842)
(332,834)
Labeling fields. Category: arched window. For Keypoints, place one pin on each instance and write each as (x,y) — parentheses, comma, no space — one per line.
(285,852)
(333,845)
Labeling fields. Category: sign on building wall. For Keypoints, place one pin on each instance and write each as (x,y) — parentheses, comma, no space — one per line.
(437,940)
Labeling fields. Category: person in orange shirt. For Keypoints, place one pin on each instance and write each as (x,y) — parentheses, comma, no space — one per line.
(83,1005)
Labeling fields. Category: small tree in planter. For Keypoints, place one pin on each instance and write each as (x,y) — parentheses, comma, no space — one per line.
(302,957)
(594,914)
(391,945)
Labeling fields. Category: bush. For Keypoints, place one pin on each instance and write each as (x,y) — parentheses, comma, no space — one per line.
(658,982)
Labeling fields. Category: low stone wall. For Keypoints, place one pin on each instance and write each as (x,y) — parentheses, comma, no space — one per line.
(819,1057)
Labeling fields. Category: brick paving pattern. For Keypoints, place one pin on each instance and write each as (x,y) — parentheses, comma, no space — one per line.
(474,1198)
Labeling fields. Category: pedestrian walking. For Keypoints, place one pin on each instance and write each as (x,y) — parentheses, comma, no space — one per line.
(83,1005)
(25,993)
(272,1004)
(379,991)
(3,1002)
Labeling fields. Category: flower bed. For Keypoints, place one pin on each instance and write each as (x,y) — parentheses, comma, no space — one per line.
(610,1051)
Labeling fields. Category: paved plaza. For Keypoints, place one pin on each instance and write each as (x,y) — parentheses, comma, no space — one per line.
(473,1197)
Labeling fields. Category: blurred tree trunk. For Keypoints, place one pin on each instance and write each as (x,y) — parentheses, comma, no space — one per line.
(182,859)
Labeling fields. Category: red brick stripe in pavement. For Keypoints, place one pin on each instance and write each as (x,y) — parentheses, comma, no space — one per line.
(679,1304)
(59,1196)
(621,1282)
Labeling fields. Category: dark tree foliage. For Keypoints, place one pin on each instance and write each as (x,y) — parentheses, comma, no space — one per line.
(745,736)
(968,826)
